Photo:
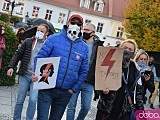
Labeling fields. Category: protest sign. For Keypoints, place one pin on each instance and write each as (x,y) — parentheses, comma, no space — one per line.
(46,71)
(108,68)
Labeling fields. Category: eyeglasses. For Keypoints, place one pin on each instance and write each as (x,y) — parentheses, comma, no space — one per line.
(74,22)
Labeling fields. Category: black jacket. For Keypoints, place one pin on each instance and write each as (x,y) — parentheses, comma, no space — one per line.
(149,84)
(116,102)
(23,54)
(91,73)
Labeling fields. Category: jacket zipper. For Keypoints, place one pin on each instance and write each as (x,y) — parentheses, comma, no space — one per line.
(67,65)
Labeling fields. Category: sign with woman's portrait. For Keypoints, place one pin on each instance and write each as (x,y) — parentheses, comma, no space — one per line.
(46,70)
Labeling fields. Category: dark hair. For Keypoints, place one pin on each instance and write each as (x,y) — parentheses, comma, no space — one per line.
(20,29)
(11,21)
(51,68)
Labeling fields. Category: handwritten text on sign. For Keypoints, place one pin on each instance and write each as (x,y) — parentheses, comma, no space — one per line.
(108,68)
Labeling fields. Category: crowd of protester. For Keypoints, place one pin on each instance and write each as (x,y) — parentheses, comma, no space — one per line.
(77,45)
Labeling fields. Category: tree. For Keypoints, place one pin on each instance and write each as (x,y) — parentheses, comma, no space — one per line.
(11,46)
(142,23)
(4,17)
(15,19)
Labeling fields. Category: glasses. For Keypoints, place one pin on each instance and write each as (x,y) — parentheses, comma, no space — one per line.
(76,23)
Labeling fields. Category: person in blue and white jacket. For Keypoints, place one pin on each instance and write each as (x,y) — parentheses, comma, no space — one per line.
(73,68)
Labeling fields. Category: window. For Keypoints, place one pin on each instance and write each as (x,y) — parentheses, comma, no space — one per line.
(119,32)
(6,5)
(99,5)
(61,18)
(87,21)
(48,14)
(99,27)
(19,8)
(35,11)
(85,3)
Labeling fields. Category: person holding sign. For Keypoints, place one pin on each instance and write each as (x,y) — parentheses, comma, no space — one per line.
(87,87)
(117,105)
(26,53)
(72,71)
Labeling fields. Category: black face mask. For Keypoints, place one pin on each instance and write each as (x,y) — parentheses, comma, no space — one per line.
(87,36)
(127,55)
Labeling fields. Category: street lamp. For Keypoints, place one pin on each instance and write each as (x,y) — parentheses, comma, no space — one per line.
(12,7)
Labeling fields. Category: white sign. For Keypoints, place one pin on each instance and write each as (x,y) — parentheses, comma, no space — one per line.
(46,71)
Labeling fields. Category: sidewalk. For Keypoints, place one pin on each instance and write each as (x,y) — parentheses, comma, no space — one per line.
(8,97)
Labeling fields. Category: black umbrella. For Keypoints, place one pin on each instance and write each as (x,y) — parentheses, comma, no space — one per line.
(37,21)
(30,32)
(19,24)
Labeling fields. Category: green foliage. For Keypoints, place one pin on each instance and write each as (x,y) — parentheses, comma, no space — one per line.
(11,47)
(15,19)
(5,17)
(142,23)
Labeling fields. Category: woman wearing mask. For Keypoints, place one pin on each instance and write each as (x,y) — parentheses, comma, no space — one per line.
(26,53)
(2,43)
(19,43)
(142,58)
(20,36)
(115,105)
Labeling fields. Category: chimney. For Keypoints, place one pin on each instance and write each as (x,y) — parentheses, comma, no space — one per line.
(110,8)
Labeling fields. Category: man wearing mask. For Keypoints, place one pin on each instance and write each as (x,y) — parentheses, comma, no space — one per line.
(87,87)
(26,53)
(73,67)
(116,105)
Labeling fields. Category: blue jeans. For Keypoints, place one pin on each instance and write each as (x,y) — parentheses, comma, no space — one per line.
(57,99)
(86,98)
(25,83)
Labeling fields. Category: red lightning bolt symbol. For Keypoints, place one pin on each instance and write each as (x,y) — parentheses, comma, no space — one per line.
(107,60)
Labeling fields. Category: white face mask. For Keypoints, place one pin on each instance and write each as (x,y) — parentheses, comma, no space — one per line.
(39,35)
(73,32)
(3,32)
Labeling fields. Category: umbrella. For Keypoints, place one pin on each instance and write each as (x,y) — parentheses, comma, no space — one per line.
(30,32)
(19,24)
(37,21)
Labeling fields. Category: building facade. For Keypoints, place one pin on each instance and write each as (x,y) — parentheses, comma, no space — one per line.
(106,15)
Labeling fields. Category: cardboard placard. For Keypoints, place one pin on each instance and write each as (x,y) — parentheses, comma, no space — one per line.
(46,71)
(108,68)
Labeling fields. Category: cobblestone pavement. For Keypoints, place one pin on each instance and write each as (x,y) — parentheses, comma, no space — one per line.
(7,102)
(8,97)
